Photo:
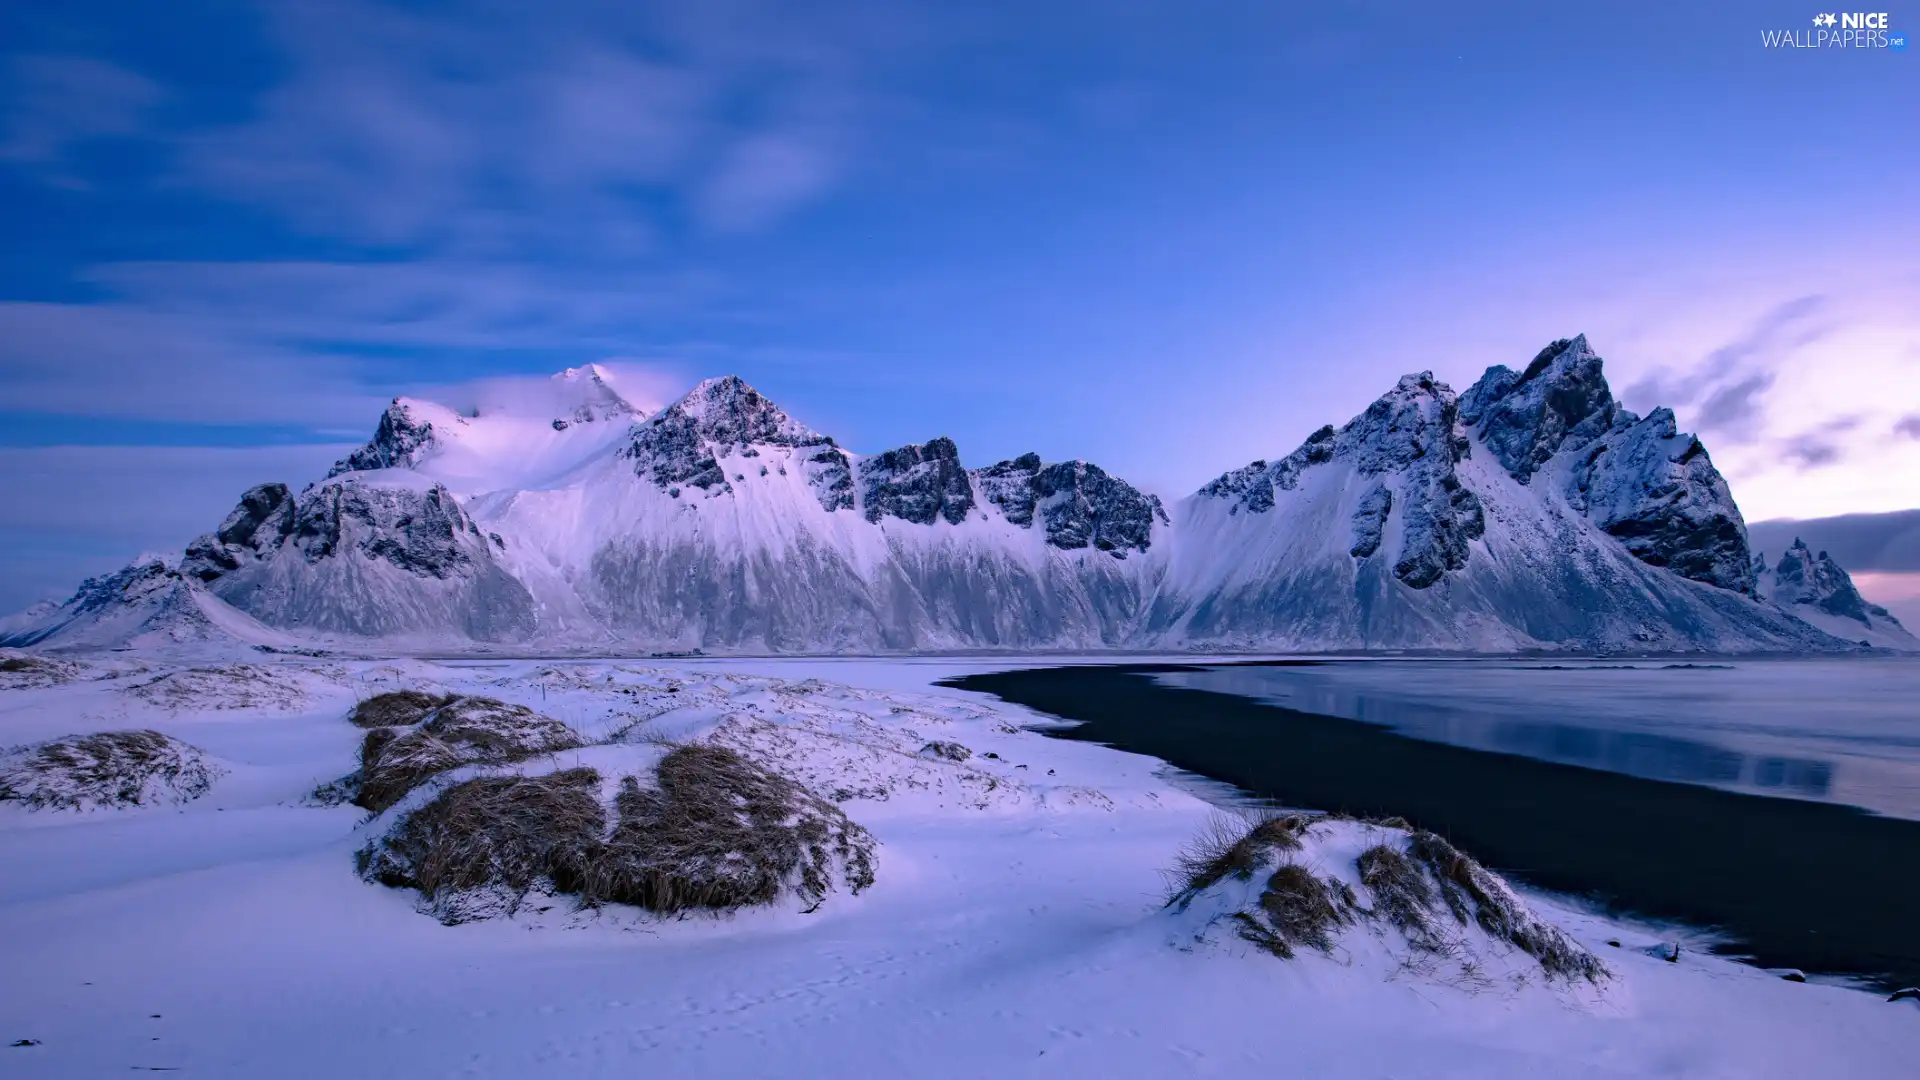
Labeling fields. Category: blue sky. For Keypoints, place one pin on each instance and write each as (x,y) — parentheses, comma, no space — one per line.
(1168,238)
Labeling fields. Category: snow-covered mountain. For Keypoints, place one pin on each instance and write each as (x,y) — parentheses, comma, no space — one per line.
(1815,589)
(1532,511)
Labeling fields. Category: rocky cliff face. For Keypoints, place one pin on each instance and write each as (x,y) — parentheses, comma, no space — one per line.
(265,517)
(1403,449)
(355,557)
(1645,483)
(921,484)
(681,446)
(1656,491)
(1524,418)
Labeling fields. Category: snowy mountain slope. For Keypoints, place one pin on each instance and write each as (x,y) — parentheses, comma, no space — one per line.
(517,442)
(726,522)
(1814,589)
(1575,523)
(1531,511)
(148,604)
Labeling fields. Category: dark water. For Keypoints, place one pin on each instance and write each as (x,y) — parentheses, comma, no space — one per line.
(1790,882)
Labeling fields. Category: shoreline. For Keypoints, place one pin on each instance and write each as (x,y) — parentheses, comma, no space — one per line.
(1786,883)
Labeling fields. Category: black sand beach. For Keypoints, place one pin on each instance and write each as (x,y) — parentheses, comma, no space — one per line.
(1792,883)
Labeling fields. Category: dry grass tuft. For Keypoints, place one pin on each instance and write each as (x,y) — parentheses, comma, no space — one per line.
(720,832)
(465,731)
(1472,890)
(1302,909)
(25,671)
(508,832)
(396,708)
(1232,845)
(949,751)
(1402,894)
(109,769)
(1412,886)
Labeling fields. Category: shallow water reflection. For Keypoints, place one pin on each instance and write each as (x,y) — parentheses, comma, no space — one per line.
(1844,730)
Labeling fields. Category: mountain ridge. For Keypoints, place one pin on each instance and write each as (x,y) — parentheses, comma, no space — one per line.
(1531,511)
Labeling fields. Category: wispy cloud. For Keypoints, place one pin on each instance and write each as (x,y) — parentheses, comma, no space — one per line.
(1724,393)
(1908,425)
(483,128)
(113,360)
(1812,452)
(57,103)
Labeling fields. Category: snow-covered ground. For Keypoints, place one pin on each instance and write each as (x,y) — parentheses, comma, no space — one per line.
(1016,927)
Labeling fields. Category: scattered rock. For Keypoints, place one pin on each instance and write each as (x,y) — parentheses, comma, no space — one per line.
(1794,976)
(25,1042)
(1905,993)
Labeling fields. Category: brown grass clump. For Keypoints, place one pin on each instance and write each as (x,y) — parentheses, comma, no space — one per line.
(720,832)
(1302,909)
(1472,890)
(396,708)
(1413,886)
(1402,894)
(1232,846)
(108,769)
(466,731)
(502,832)
(25,671)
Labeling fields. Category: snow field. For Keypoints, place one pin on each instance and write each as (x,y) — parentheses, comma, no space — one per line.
(1016,926)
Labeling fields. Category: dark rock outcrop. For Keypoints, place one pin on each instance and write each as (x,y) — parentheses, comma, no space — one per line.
(1370,521)
(1413,433)
(920,484)
(420,532)
(1009,486)
(398,442)
(1082,506)
(1253,486)
(1079,504)
(1655,489)
(680,446)
(263,518)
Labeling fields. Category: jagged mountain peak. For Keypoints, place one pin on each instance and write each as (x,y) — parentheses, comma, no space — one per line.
(1815,588)
(728,409)
(1524,418)
(682,445)
(586,394)
(400,440)
(1417,419)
